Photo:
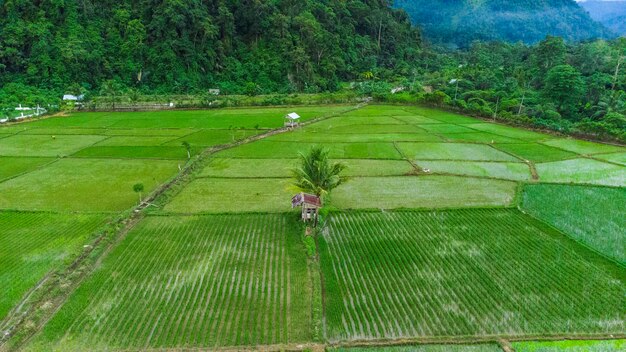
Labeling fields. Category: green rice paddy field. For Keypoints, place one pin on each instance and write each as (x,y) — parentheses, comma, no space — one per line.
(449,229)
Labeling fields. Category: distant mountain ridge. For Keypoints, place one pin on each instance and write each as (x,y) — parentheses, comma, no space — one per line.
(612,14)
(459,22)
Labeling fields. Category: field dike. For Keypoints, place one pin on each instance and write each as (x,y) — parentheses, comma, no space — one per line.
(43,301)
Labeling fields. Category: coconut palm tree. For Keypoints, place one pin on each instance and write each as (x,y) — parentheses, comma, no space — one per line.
(316,173)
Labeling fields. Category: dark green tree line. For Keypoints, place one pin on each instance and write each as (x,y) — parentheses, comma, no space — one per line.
(190,45)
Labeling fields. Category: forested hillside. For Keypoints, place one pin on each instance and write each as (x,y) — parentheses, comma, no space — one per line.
(187,45)
(458,23)
(569,88)
(610,13)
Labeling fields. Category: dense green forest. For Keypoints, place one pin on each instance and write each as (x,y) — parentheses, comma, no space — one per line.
(459,22)
(578,88)
(347,49)
(187,45)
(612,14)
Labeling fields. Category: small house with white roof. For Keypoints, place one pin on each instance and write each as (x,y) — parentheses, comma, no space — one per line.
(291,120)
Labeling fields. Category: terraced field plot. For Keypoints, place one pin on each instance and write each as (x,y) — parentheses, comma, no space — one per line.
(14,166)
(232,195)
(270,149)
(312,136)
(453,151)
(31,244)
(583,147)
(422,192)
(140,152)
(425,348)
(571,346)
(84,185)
(50,146)
(507,131)
(136,141)
(280,168)
(479,137)
(217,118)
(500,170)
(207,281)
(595,216)
(537,153)
(377,129)
(463,273)
(583,171)
(619,158)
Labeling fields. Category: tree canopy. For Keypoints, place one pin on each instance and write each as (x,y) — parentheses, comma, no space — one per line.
(459,23)
(189,45)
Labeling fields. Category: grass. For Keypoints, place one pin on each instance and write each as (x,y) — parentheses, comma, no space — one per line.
(584,147)
(583,171)
(536,153)
(270,149)
(462,273)
(151,152)
(37,145)
(187,282)
(32,244)
(592,215)
(87,185)
(571,346)
(422,192)
(424,348)
(14,166)
(506,171)
(453,151)
(218,195)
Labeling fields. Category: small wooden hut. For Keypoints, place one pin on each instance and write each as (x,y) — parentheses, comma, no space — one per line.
(291,120)
(310,204)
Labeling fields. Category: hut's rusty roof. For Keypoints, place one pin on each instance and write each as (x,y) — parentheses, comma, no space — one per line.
(306,199)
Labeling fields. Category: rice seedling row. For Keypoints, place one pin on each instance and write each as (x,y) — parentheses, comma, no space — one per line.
(571,346)
(424,348)
(32,244)
(193,282)
(595,216)
(462,273)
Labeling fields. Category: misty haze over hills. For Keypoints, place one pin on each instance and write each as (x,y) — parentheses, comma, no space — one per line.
(612,13)
(458,23)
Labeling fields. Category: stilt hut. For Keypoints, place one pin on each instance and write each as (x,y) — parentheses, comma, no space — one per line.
(291,120)
(310,204)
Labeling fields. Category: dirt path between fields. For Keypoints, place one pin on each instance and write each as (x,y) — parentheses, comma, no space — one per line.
(42,302)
